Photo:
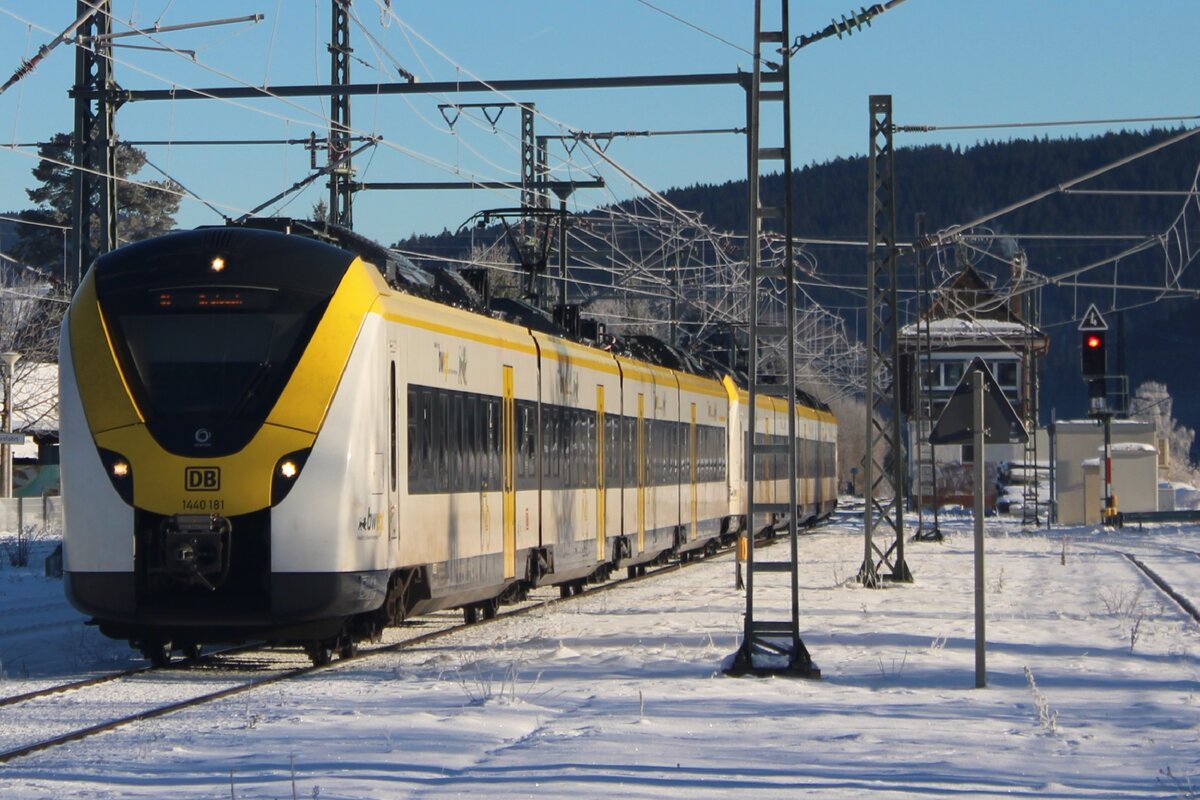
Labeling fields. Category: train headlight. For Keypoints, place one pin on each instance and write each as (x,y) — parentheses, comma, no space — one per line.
(287,470)
(119,472)
(217,264)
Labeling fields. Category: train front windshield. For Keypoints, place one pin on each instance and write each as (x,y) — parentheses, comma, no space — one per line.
(208,325)
(207,364)
(215,359)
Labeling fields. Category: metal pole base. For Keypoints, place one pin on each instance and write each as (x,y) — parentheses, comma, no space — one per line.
(800,664)
(900,573)
(868,576)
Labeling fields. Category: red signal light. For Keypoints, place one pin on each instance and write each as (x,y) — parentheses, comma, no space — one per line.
(1093,341)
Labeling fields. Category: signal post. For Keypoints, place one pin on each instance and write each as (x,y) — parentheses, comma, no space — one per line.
(1093,366)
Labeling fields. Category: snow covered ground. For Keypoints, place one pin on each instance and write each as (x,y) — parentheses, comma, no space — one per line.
(1093,690)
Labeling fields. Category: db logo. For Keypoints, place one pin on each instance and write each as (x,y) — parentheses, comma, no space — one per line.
(202,479)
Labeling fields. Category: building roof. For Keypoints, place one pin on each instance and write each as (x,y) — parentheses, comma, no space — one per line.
(35,403)
(969,312)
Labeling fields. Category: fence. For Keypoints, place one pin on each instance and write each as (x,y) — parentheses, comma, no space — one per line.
(18,513)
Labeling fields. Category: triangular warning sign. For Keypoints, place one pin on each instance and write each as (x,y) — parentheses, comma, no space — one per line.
(1000,422)
(1092,320)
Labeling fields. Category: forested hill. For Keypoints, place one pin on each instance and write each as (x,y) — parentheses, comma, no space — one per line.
(953,186)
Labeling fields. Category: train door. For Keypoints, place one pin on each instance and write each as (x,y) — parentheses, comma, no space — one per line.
(508,459)
(393,455)
(692,467)
(601,544)
(803,467)
(641,471)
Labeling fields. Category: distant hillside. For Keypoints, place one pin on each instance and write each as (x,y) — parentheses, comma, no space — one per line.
(952,186)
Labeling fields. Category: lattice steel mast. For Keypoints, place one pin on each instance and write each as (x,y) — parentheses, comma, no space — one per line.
(94,223)
(771,644)
(883,358)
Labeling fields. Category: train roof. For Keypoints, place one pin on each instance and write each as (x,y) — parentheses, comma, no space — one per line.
(449,287)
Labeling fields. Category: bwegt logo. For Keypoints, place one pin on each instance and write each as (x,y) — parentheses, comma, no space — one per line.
(202,479)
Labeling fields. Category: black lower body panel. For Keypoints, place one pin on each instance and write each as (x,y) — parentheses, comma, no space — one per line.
(301,604)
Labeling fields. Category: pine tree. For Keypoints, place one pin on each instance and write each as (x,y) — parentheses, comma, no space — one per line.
(144,209)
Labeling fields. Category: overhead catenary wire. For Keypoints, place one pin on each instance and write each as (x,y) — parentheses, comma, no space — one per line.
(941,237)
(628,256)
(1043,124)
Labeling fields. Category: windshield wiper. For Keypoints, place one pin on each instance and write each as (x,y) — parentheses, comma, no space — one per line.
(252,387)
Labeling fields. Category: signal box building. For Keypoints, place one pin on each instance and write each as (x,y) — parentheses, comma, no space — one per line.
(969,319)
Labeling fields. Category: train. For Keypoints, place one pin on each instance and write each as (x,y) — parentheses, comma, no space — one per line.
(281,431)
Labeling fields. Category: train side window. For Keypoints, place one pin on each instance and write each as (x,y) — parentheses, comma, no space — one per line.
(453,456)
(568,429)
(464,443)
(526,434)
(412,431)
(471,441)
(590,475)
(559,443)
(631,474)
(651,454)
(441,425)
(490,445)
(553,456)
(581,448)
(531,440)
(612,450)
(426,425)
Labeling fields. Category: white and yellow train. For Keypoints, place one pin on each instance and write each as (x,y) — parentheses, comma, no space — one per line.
(269,437)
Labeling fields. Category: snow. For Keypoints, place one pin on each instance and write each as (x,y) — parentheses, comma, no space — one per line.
(1186,496)
(1131,448)
(953,327)
(1093,690)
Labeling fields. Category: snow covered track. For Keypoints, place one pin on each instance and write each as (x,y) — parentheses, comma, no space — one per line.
(145,693)
(1093,691)
(1169,590)
(109,702)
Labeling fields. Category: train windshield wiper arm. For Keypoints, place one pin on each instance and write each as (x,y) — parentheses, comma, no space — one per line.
(252,387)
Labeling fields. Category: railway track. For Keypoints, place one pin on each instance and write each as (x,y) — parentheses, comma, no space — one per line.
(108,702)
(1164,586)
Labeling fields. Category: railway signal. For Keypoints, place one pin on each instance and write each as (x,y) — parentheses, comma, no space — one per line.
(1093,352)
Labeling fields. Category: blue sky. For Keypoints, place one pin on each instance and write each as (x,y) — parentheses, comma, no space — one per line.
(946,62)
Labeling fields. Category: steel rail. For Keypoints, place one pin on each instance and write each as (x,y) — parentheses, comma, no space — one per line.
(1182,601)
(693,557)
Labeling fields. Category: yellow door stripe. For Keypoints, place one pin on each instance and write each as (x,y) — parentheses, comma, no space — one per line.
(508,430)
(692,474)
(601,543)
(641,472)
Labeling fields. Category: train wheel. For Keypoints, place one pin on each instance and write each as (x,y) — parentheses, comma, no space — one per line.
(347,648)
(470,614)
(320,653)
(192,650)
(489,608)
(157,652)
